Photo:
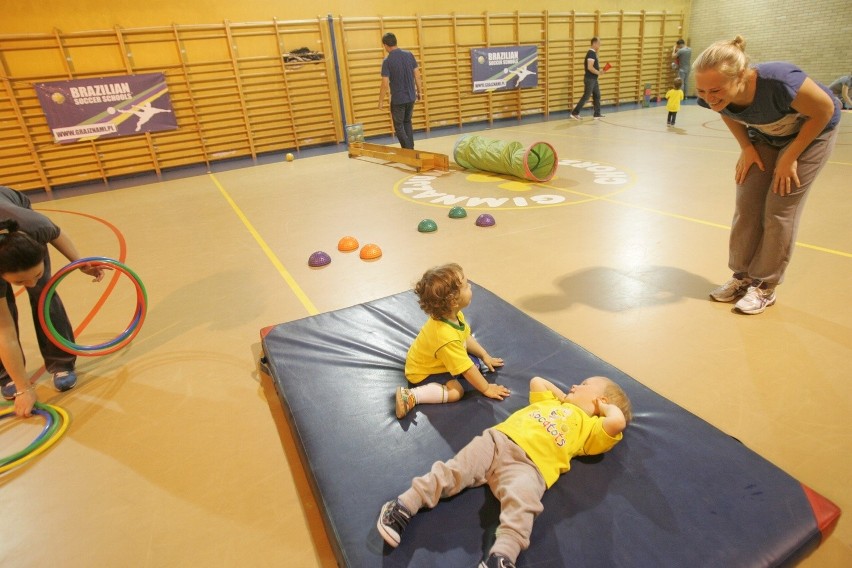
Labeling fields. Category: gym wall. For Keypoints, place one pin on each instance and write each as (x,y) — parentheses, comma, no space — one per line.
(816,35)
(237,91)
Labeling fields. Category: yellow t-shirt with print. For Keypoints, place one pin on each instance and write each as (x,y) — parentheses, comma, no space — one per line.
(553,432)
(440,347)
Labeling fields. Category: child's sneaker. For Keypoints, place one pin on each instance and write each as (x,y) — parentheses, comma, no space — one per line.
(731,290)
(392,522)
(496,561)
(405,401)
(756,300)
(64,380)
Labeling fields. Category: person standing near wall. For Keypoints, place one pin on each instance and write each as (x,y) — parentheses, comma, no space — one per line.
(592,70)
(786,126)
(840,87)
(401,77)
(682,56)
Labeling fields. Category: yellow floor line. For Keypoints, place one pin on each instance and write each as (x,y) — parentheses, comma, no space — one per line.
(700,221)
(291,282)
(719,225)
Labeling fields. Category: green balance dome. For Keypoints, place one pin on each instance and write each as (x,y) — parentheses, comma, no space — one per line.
(458,213)
(427,226)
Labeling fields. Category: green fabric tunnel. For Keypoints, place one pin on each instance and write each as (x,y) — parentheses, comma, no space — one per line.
(536,163)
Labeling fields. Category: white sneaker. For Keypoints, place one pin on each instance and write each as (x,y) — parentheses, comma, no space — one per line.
(755,301)
(575,116)
(731,290)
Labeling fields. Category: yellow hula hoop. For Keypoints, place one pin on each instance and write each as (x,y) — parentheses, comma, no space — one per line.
(48,443)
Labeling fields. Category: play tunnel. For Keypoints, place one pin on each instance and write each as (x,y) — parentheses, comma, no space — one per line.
(536,163)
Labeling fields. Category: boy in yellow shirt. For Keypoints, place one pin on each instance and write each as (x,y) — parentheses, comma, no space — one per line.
(443,362)
(518,459)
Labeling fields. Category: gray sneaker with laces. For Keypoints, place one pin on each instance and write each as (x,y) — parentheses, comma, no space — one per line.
(731,290)
(755,301)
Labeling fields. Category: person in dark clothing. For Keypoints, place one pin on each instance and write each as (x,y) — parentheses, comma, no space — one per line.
(401,78)
(590,82)
(24,261)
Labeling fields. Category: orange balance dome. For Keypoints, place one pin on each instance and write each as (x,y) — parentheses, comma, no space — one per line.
(347,244)
(370,252)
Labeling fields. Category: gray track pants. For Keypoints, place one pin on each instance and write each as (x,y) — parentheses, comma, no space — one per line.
(494,459)
(765,224)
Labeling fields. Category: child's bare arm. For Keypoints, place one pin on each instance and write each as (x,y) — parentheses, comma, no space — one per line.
(613,422)
(539,384)
(474,348)
(475,378)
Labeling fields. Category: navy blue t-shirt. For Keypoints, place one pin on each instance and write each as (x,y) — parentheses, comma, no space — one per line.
(770,118)
(399,68)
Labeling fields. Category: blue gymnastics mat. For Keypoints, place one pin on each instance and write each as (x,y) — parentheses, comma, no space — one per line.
(676,492)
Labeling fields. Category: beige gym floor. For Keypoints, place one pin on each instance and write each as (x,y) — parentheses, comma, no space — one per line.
(174,457)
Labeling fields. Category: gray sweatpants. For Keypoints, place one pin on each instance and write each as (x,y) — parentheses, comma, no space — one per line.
(765,224)
(491,458)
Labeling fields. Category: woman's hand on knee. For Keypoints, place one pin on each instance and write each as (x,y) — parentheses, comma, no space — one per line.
(748,158)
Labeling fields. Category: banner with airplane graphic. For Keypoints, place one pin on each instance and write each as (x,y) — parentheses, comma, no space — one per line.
(504,68)
(106,107)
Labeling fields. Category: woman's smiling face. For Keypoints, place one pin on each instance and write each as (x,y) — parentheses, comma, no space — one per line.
(717,89)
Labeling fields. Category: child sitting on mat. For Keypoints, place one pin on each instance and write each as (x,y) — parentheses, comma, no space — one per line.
(444,358)
(518,459)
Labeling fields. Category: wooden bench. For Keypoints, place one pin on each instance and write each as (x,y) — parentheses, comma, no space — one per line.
(418,159)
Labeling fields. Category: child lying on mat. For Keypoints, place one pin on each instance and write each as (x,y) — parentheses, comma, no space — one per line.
(518,459)
(444,358)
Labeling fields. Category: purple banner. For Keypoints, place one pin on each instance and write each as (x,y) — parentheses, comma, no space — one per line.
(504,68)
(106,107)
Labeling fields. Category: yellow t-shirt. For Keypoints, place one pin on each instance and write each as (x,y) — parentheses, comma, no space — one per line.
(673,98)
(439,348)
(553,432)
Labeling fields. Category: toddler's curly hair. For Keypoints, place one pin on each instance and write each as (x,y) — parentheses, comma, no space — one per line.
(438,288)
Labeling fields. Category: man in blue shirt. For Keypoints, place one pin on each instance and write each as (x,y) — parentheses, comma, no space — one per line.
(400,76)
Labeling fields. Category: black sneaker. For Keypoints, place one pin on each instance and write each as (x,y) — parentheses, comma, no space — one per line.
(496,561)
(392,521)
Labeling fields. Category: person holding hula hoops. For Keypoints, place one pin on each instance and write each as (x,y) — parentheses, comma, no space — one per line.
(24,261)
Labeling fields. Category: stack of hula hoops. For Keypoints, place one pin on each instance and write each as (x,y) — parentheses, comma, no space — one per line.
(56,422)
(111,346)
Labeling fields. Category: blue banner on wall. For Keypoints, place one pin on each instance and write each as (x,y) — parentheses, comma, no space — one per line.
(105,107)
(504,68)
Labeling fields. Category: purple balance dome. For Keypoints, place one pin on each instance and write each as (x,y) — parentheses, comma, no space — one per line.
(318,259)
(485,220)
